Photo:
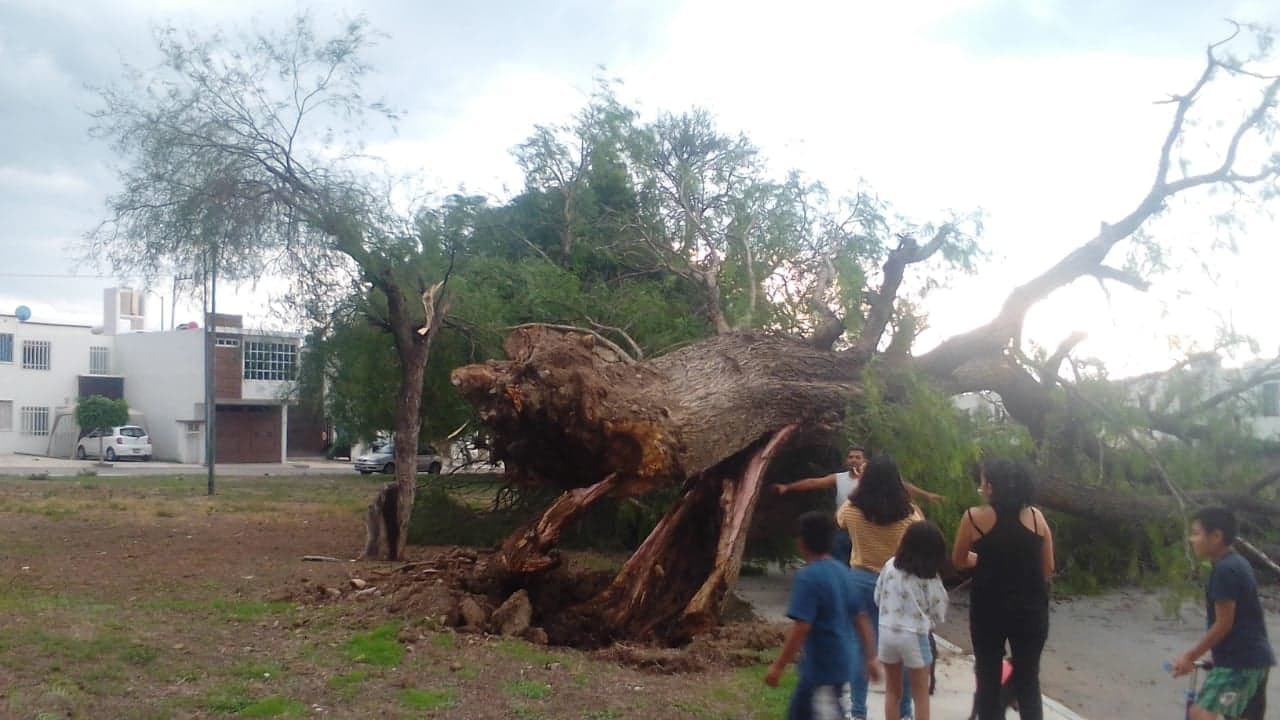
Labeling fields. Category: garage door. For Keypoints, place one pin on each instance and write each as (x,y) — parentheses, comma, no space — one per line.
(248,433)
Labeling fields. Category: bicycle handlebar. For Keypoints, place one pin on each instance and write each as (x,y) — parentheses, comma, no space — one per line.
(1199,665)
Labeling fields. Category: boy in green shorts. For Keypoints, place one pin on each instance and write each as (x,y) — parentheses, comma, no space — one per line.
(1236,687)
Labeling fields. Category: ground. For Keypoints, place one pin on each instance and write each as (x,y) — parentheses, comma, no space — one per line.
(141,597)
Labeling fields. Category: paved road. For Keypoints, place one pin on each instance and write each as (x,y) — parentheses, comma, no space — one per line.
(954,696)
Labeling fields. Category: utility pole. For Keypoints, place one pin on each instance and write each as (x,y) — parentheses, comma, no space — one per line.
(210,340)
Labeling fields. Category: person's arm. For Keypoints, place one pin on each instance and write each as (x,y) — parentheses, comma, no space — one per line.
(920,493)
(862,623)
(937,594)
(1224,618)
(826,482)
(1046,549)
(790,648)
(961,552)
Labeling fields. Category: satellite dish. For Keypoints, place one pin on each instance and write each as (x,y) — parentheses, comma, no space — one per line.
(23,312)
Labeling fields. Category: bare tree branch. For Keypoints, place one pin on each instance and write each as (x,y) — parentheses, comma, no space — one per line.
(1087,259)
(830,326)
(636,351)
(623,355)
(881,303)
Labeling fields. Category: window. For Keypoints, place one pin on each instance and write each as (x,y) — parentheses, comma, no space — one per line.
(130,302)
(35,421)
(227,342)
(99,360)
(6,347)
(1271,399)
(35,354)
(6,415)
(269,361)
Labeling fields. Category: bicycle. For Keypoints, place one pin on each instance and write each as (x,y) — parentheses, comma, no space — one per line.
(1193,683)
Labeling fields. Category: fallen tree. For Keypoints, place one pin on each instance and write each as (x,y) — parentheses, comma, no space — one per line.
(708,418)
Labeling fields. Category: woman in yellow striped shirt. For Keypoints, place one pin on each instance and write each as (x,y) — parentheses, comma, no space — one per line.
(875,516)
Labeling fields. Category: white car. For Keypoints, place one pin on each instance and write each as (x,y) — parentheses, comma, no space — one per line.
(381,458)
(125,441)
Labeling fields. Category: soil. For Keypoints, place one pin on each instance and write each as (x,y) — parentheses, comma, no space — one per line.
(144,598)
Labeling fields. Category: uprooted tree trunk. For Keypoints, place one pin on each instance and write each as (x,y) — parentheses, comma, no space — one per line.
(707,418)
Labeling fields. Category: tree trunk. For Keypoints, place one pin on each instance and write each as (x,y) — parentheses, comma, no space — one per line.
(708,417)
(413,349)
(408,426)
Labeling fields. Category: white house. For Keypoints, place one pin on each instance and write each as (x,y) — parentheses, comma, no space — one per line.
(45,367)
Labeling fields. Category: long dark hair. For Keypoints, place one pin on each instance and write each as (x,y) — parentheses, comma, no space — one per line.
(1011,485)
(880,494)
(922,550)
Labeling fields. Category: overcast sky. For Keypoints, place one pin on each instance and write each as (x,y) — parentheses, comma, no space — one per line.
(1040,112)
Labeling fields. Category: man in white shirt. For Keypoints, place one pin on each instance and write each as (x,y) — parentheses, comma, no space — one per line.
(842,485)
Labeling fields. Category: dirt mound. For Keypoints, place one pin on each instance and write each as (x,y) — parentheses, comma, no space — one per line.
(733,645)
(462,589)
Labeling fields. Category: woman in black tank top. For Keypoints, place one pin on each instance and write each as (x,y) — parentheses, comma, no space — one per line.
(1009,600)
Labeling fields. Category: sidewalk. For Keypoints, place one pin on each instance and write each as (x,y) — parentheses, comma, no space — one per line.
(953,697)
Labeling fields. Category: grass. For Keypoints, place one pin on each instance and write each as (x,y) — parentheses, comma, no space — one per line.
(525,652)
(249,610)
(379,646)
(274,706)
(528,689)
(427,699)
(348,686)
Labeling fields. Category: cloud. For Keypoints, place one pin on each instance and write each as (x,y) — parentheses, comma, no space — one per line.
(1040,112)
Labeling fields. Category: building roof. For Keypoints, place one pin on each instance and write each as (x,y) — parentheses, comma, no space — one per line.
(51,324)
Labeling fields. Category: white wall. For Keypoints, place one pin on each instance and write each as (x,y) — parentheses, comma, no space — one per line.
(53,388)
(164,380)
(273,391)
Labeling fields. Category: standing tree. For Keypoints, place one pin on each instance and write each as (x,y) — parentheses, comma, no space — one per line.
(240,151)
(99,413)
(708,417)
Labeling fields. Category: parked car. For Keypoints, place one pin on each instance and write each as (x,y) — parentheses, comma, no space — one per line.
(125,441)
(382,458)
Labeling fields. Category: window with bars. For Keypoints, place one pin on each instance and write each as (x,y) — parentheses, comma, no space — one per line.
(227,342)
(99,360)
(6,347)
(269,360)
(6,415)
(36,354)
(35,421)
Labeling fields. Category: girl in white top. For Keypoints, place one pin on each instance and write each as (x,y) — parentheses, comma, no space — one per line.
(912,602)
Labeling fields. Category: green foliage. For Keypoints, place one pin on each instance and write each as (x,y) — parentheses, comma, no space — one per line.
(99,413)
(934,444)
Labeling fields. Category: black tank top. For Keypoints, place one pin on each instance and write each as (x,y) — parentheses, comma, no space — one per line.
(1009,574)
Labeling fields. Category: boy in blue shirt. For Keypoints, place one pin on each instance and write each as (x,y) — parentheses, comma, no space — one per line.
(1236,687)
(826,611)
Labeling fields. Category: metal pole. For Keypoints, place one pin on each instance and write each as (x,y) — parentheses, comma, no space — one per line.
(210,402)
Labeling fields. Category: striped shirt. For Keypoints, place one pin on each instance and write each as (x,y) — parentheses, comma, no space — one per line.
(873,544)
